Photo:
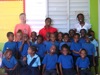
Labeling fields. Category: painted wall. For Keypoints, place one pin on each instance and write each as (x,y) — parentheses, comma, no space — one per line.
(94,16)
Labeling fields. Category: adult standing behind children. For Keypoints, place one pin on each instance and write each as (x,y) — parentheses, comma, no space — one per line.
(22,25)
(81,23)
(47,28)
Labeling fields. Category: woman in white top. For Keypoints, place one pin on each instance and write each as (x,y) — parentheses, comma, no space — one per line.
(82,24)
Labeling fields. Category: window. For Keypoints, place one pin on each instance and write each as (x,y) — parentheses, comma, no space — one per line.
(62,12)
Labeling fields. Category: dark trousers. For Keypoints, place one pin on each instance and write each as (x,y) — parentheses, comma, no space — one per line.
(50,72)
(85,72)
(68,72)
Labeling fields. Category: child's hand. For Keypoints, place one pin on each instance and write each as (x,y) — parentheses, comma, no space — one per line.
(24,58)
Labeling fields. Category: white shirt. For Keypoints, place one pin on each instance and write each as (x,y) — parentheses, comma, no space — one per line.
(37,63)
(86,26)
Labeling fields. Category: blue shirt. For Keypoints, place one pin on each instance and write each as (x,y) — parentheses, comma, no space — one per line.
(24,50)
(49,45)
(82,40)
(37,63)
(9,63)
(83,63)
(66,61)
(41,50)
(89,48)
(62,43)
(10,45)
(50,61)
(76,47)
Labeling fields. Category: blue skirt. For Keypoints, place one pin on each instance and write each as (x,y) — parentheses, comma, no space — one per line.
(29,71)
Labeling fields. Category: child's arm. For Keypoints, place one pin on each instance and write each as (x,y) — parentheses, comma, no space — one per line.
(39,67)
(43,69)
(77,68)
(21,47)
(60,66)
(57,69)
(75,52)
(94,60)
(14,67)
(28,42)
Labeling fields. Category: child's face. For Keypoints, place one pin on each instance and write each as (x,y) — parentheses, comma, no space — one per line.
(19,36)
(52,37)
(66,38)
(65,51)
(92,34)
(76,38)
(87,38)
(71,33)
(48,36)
(30,52)
(22,18)
(83,54)
(83,33)
(52,49)
(48,22)
(60,37)
(33,35)
(39,40)
(25,37)
(8,55)
(11,37)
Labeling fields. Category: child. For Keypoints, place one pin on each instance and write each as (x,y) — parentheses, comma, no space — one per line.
(41,50)
(95,43)
(60,37)
(76,47)
(23,45)
(50,62)
(90,50)
(66,62)
(33,62)
(83,63)
(66,40)
(10,44)
(33,37)
(82,33)
(71,34)
(19,36)
(52,42)
(10,63)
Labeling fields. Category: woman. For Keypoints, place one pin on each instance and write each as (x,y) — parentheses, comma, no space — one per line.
(82,24)
(47,28)
(22,26)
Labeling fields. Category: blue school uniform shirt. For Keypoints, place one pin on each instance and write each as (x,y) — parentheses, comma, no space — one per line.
(50,61)
(41,50)
(89,48)
(37,62)
(9,63)
(83,63)
(49,45)
(24,50)
(66,61)
(10,45)
(82,40)
(62,43)
(76,47)
(95,43)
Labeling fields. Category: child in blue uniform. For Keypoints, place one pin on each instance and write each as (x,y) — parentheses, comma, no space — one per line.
(60,37)
(33,62)
(65,61)
(83,32)
(10,63)
(71,34)
(10,44)
(41,50)
(83,63)
(52,42)
(50,62)
(76,47)
(90,50)
(66,40)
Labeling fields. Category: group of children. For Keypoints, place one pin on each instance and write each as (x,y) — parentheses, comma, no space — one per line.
(60,54)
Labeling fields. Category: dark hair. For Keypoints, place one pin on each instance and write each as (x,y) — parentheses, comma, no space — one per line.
(80,14)
(33,48)
(39,36)
(22,14)
(77,34)
(65,46)
(65,34)
(60,33)
(83,30)
(9,33)
(8,50)
(19,31)
(83,50)
(34,32)
(48,18)
(71,30)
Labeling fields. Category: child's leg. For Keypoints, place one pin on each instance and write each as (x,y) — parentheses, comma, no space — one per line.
(96,66)
(53,72)
(82,72)
(46,73)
